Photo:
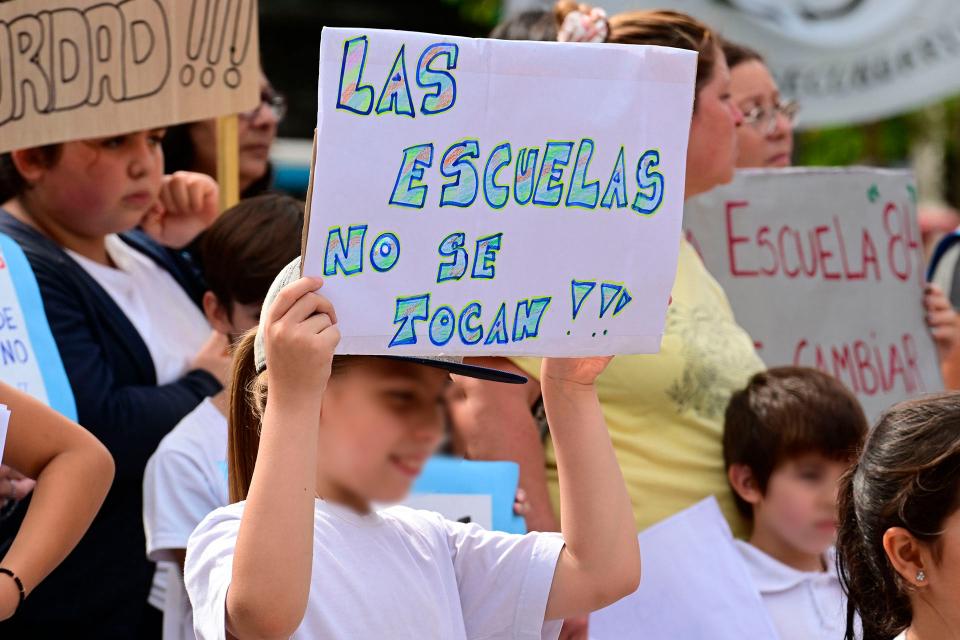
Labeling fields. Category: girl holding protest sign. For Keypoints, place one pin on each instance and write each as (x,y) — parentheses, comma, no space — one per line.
(664,411)
(44,445)
(765,140)
(899,539)
(315,439)
(136,348)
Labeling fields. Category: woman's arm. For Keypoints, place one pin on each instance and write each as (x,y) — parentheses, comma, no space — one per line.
(73,473)
(600,562)
(495,423)
(272,563)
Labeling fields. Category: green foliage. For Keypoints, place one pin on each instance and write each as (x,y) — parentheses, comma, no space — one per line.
(481,13)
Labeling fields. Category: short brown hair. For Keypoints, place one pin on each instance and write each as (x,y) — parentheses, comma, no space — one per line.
(247,246)
(736,53)
(786,412)
(669,29)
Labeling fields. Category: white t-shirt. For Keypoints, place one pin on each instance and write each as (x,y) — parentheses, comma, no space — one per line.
(398,573)
(804,605)
(169,323)
(184,481)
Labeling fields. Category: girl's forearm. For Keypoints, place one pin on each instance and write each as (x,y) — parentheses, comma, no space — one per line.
(596,514)
(274,552)
(69,491)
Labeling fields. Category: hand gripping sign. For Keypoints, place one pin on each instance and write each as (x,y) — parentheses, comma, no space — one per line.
(481,197)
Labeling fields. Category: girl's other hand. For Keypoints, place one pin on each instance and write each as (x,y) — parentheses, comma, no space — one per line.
(214,357)
(187,205)
(521,505)
(300,336)
(942,319)
(579,371)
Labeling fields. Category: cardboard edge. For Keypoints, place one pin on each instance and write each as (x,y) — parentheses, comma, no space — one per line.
(307,205)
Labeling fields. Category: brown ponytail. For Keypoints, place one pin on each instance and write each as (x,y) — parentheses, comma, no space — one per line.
(908,475)
(247,398)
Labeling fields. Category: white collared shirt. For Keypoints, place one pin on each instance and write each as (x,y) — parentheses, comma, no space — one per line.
(804,605)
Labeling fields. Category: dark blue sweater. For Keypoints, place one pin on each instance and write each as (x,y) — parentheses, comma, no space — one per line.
(101,588)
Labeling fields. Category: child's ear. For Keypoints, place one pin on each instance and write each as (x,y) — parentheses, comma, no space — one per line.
(217,314)
(908,556)
(744,483)
(29,164)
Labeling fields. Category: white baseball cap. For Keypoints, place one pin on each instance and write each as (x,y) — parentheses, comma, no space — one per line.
(453,364)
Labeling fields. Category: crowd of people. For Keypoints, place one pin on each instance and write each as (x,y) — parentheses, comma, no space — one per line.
(223,476)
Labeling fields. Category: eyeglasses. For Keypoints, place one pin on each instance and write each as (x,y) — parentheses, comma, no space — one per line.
(764,119)
(270,98)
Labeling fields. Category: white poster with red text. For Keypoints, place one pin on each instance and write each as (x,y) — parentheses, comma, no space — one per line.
(824,268)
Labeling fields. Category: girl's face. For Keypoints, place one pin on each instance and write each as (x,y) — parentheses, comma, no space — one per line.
(799,508)
(712,151)
(382,419)
(768,140)
(103,185)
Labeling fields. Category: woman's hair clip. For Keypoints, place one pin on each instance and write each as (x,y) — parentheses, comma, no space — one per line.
(580,26)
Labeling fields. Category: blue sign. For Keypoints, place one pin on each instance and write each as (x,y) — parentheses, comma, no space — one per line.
(499,480)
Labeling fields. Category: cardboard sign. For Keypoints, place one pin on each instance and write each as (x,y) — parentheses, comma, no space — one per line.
(695,585)
(483,197)
(470,491)
(824,268)
(91,68)
(29,359)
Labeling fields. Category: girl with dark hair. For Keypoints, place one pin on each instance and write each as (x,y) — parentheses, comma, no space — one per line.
(899,538)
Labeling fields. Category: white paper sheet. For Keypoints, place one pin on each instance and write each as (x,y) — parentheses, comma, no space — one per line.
(583,267)
(695,586)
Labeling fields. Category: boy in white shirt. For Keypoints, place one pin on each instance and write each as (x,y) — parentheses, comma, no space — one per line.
(788,438)
(187,476)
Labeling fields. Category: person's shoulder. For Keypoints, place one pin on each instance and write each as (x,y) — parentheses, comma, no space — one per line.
(220,522)
(202,428)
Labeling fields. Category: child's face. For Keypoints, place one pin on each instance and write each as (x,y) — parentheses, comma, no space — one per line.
(800,505)
(103,185)
(382,419)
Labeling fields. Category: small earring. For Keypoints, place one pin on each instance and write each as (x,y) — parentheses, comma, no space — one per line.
(921,576)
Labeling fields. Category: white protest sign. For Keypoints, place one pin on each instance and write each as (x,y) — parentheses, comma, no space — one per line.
(481,197)
(4,425)
(824,268)
(93,68)
(695,585)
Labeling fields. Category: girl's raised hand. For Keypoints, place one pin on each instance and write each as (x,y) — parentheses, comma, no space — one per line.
(187,205)
(582,371)
(300,335)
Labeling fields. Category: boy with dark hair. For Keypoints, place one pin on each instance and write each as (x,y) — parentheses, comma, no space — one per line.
(187,476)
(788,438)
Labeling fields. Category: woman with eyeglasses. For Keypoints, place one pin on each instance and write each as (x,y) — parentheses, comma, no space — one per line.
(193,146)
(765,140)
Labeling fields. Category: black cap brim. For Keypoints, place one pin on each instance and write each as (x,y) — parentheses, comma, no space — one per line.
(467,370)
